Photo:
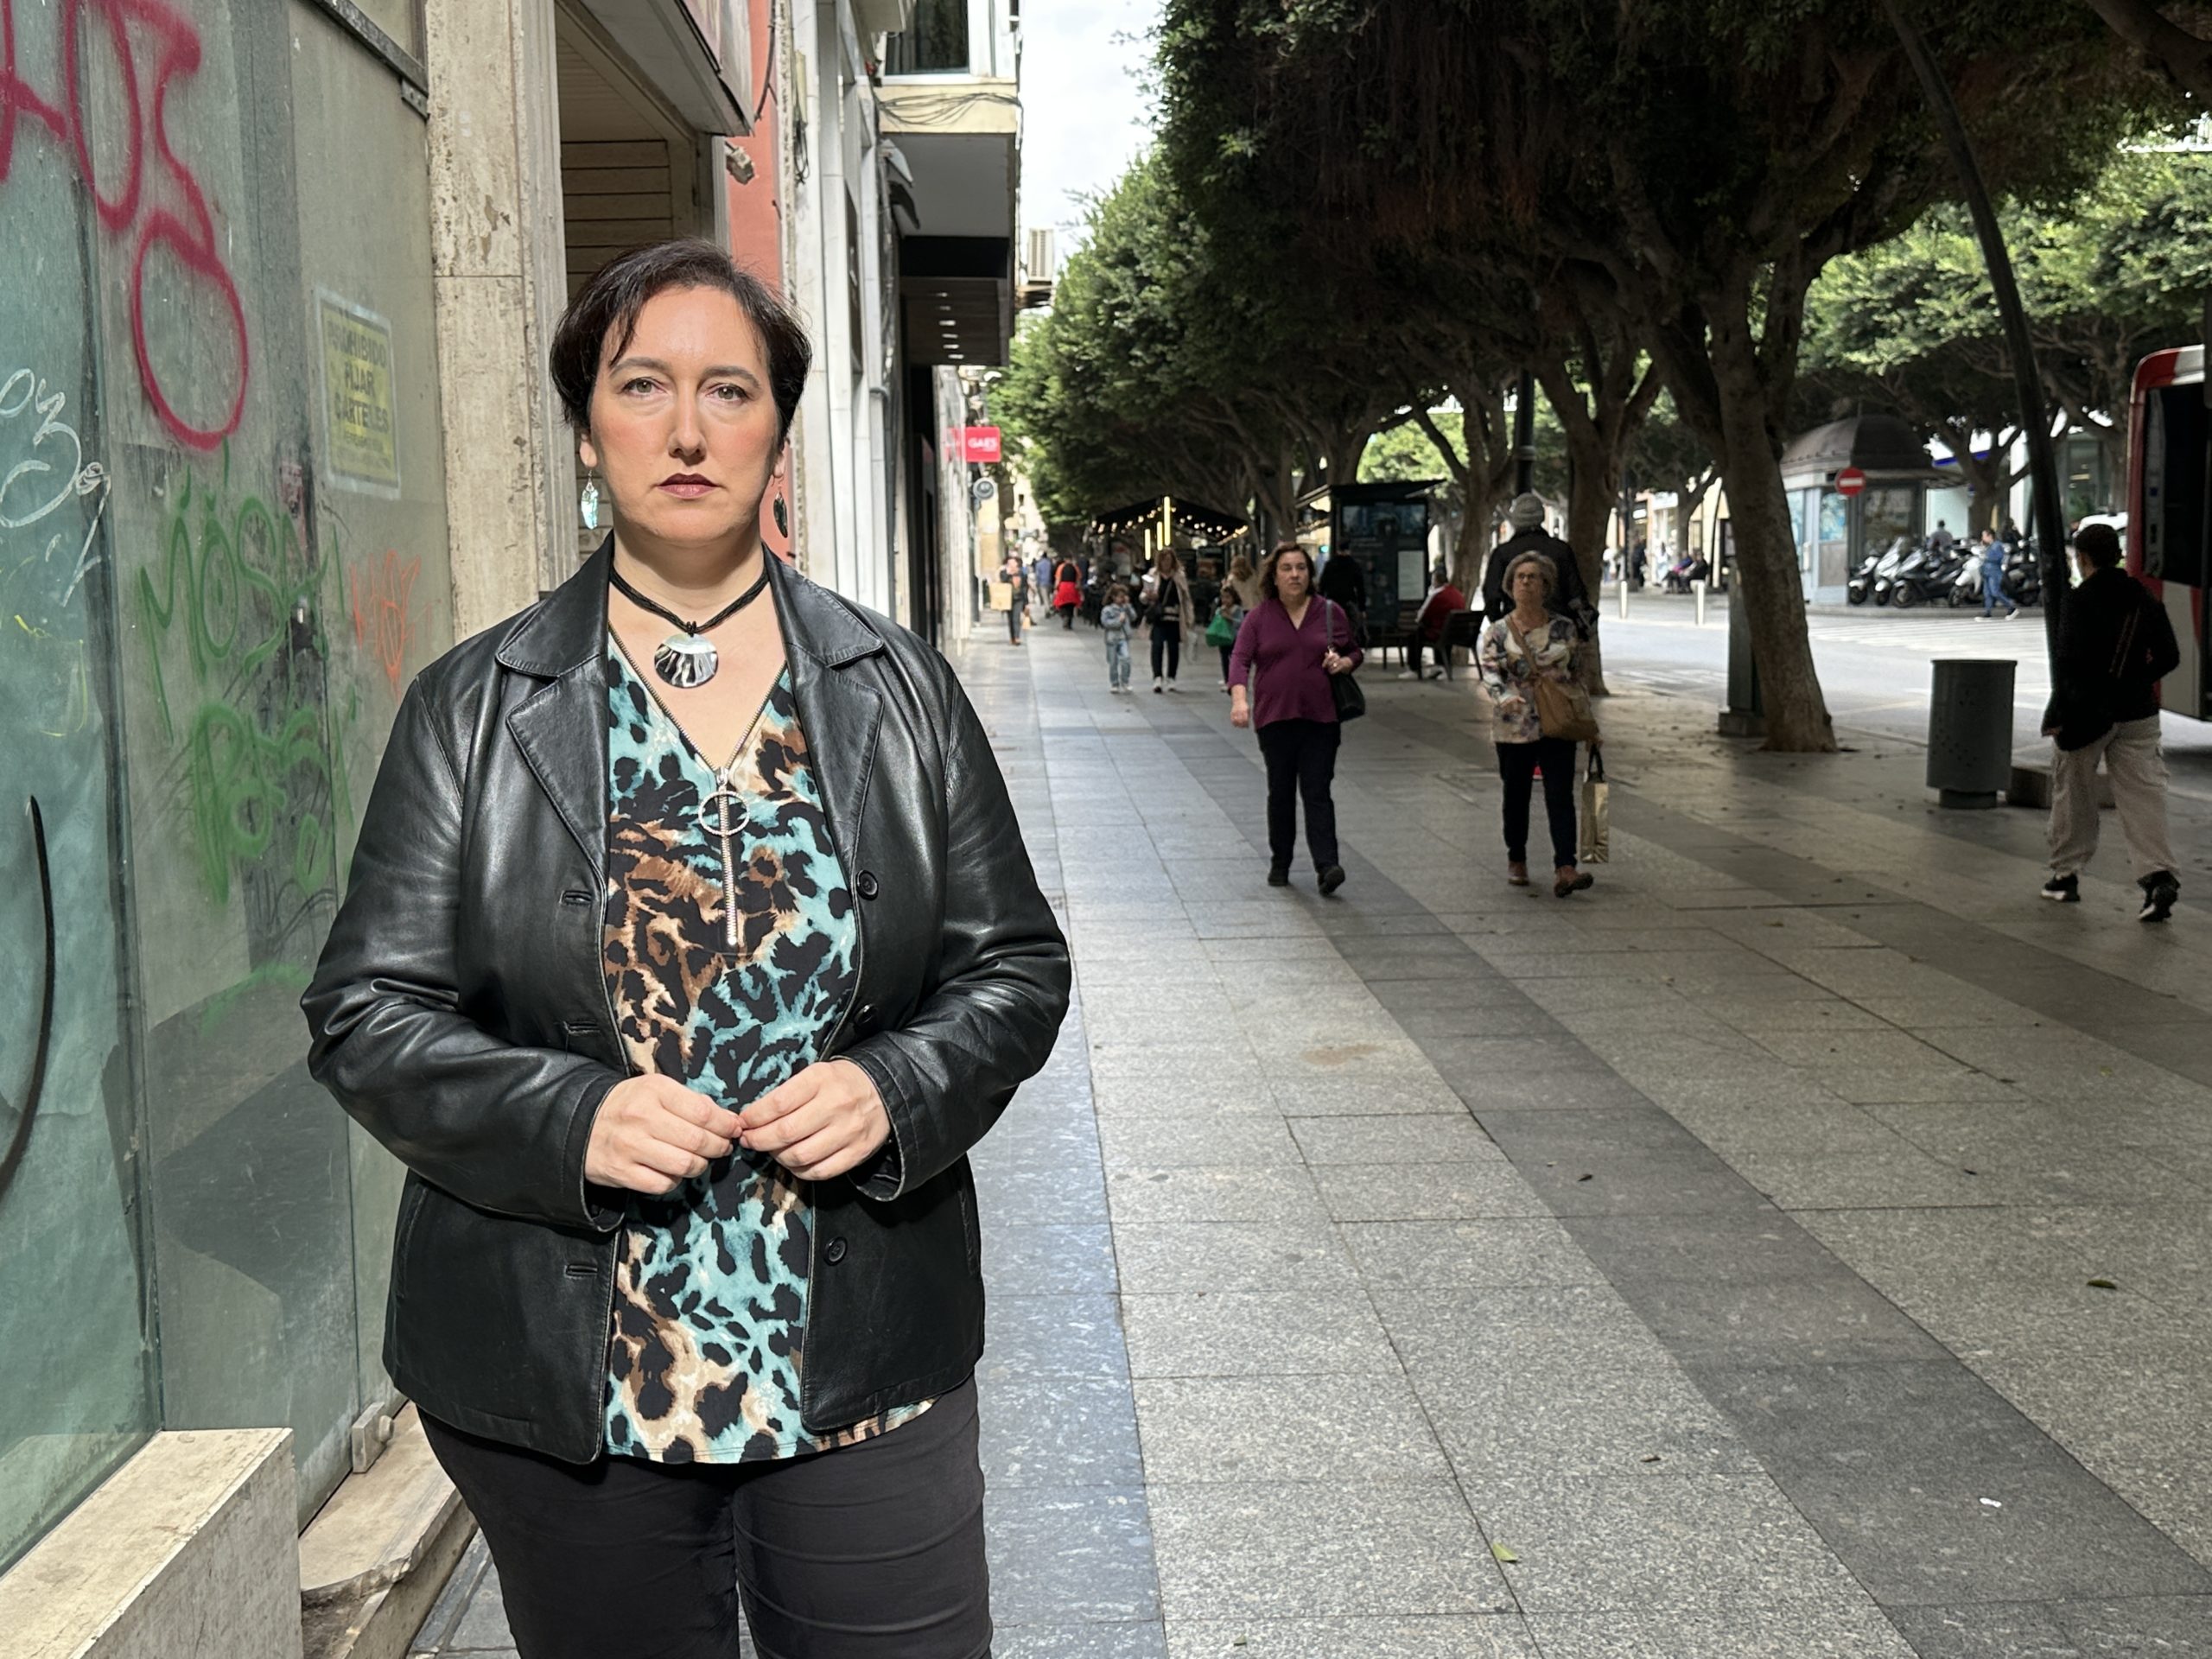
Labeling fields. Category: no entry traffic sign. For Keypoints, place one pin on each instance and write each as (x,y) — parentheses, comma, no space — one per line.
(1850,481)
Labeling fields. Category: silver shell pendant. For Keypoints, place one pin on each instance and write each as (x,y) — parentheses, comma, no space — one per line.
(686,660)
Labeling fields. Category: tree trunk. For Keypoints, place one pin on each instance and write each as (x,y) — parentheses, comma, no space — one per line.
(1593,470)
(1766,555)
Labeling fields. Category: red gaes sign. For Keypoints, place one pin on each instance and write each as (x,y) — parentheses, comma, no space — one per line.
(1850,481)
(979,444)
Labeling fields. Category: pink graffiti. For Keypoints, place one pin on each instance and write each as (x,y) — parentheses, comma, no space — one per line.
(188,235)
(380,611)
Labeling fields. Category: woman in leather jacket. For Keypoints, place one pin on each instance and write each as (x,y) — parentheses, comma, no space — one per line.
(689,944)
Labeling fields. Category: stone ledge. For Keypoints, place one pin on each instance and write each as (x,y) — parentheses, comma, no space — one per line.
(188,1548)
(377,1555)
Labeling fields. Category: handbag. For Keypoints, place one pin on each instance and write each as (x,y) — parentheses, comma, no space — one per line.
(1221,630)
(1344,689)
(1563,708)
(1596,819)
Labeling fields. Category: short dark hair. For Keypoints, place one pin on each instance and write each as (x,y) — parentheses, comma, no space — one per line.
(2099,545)
(603,317)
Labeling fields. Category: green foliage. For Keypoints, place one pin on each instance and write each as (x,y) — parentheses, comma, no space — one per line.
(2118,271)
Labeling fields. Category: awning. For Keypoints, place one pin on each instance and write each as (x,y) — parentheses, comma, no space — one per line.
(697,54)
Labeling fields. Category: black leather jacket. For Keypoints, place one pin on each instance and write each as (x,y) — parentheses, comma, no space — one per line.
(462,1013)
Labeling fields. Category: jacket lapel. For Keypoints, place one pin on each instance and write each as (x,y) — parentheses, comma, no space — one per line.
(560,727)
(839,713)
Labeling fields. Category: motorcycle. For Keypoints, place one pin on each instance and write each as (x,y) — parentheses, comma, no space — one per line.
(1908,582)
(1966,586)
(1877,569)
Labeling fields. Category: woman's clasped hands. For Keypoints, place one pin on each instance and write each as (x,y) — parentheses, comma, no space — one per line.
(653,1134)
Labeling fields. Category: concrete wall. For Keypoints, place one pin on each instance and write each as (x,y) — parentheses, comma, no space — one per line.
(501,280)
(190,1548)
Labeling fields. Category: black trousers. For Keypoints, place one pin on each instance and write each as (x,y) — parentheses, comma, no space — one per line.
(1516,765)
(1166,637)
(1301,757)
(873,1551)
(1014,620)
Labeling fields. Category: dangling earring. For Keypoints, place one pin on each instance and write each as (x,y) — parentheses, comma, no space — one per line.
(588,502)
(783,518)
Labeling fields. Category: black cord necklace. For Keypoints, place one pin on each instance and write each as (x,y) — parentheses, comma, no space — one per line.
(686,660)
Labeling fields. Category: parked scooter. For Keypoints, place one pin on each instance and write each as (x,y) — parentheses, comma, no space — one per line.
(1908,582)
(1877,569)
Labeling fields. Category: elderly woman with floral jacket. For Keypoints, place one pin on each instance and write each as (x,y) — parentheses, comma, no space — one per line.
(1529,644)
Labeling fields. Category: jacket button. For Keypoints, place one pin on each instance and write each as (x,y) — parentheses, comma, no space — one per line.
(867,885)
(834,1252)
(865,1017)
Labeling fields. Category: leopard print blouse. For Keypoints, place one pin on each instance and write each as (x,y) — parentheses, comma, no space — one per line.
(710,1302)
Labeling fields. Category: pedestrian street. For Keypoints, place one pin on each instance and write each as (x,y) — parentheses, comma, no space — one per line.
(1796,1244)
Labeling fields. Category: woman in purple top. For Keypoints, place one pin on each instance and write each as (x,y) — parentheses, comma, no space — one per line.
(1290,643)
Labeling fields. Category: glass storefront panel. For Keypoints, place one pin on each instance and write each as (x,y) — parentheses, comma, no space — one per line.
(76,1386)
(205,707)
(365,279)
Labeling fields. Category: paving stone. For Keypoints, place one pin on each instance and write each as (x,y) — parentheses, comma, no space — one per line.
(1031,1260)
(1198,1140)
(1059,1432)
(1405,1550)
(1228,1193)
(1015,1193)
(1338,1427)
(1162,1258)
(1659,1542)
(1095,1641)
(1441,1253)
(1921,1412)
(1535,1419)
(1926,1536)
(1066,1335)
(1589,1326)
(1241,1333)
(1072,1555)
(1455,1138)
(1478,1636)
(1431,1191)
(1821,1629)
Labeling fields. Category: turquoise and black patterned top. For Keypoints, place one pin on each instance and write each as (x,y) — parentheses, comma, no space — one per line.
(710,1297)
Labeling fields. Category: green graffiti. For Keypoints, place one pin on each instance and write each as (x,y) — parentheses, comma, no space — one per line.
(237,615)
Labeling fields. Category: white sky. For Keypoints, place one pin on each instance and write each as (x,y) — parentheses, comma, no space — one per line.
(1084,114)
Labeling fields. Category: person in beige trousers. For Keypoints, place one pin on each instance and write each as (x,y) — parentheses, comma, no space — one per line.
(2114,646)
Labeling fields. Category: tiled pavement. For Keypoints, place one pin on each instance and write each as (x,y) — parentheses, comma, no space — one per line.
(1797,1245)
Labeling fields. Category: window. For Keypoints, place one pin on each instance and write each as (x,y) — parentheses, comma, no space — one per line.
(936,43)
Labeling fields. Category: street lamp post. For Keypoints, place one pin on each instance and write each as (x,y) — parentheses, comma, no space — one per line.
(2035,408)
(1524,435)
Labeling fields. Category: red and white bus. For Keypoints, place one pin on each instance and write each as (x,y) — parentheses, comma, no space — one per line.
(2170,510)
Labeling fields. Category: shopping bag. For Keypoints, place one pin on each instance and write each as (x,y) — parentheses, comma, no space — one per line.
(1596,812)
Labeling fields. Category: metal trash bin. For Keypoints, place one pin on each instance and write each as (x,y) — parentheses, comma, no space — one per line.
(1970,730)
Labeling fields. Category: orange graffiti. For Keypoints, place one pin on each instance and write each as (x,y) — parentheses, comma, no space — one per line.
(380,611)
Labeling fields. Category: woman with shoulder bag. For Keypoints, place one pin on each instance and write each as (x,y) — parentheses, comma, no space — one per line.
(689,944)
(1299,652)
(1529,660)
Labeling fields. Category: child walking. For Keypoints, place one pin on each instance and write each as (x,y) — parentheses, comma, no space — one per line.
(1117,617)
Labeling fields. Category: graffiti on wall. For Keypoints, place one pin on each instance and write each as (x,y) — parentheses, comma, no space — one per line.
(234,612)
(44,473)
(145,194)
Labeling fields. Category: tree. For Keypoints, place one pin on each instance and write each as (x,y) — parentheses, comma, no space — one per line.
(1689,164)
(2184,52)
(2116,271)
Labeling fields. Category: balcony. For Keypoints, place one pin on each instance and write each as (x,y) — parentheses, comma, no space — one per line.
(957,126)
